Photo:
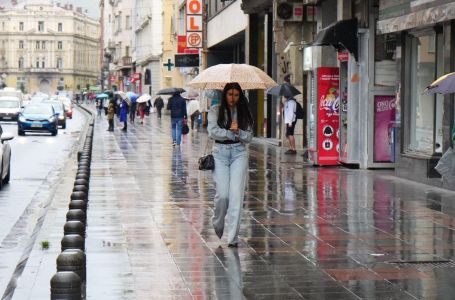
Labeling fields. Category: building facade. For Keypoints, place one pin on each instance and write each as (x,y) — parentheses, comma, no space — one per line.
(45,48)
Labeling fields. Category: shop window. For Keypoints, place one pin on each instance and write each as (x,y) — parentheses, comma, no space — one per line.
(425,111)
(385,73)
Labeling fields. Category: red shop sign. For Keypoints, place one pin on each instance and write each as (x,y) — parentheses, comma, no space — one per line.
(343,56)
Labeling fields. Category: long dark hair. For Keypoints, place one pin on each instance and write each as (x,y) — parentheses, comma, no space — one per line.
(244,118)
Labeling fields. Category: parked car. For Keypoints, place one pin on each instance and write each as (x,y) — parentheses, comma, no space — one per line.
(39,118)
(59,108)
(10,107)
(5,165)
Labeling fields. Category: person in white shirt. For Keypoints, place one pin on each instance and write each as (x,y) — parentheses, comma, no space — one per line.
(290,120)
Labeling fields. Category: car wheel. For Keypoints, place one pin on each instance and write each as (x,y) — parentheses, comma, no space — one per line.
(8,175)
(20,132)
(54,133)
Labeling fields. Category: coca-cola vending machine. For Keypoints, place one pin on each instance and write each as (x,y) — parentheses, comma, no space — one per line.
(324,119)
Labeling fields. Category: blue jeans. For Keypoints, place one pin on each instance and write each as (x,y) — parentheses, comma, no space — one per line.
(177,124)
(231,164)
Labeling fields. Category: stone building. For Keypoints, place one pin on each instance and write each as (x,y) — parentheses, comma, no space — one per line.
(44,47)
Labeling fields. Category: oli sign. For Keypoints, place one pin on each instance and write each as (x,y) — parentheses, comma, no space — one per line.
(194,23)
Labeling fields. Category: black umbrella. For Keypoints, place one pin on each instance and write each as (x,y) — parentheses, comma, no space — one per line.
(170,91)
(284,89)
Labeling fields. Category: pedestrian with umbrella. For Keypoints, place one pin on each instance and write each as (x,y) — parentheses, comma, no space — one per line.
(230,124)
(141,105)
(292,111)
(124,109)
(133,106)
(100,98)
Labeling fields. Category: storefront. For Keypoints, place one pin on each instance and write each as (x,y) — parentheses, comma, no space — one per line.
(424,51)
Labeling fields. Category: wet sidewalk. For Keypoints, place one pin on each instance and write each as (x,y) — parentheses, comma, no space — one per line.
(306,233)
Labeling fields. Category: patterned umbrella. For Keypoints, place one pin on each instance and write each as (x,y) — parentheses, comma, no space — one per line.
(216,77)
(124,97)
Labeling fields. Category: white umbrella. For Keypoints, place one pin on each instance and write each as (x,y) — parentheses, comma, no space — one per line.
(124,96)
(444,85)
(191,94)
(248,77)
(144,98)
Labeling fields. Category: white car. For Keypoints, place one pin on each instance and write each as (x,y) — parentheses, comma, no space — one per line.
(10,107)
(5,166)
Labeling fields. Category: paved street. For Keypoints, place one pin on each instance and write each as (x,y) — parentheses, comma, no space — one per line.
(36,166)
(306,233)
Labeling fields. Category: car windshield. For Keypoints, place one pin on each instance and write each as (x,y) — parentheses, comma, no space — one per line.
(38,110)
(9,103)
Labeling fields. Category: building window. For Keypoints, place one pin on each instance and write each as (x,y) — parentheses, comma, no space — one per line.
(21,63)
(425,111)
(60,45)
(385,73)
(43,45)
(37,44)
(20,84)
(41,26)
(21,26)
(127,22)
(59,63)
(43,64)
(127,51)
(37,63)
(21,44)
(60,27)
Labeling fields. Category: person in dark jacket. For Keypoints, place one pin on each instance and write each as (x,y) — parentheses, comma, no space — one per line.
(158,104)
(178,113)
(124,114)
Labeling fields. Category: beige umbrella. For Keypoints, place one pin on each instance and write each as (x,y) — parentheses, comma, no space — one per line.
(216,77)
(124,96)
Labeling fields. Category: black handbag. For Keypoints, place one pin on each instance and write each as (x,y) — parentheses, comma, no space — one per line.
(206,162)
(185,129)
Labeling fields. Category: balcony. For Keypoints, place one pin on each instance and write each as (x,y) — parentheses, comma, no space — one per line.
(127,60)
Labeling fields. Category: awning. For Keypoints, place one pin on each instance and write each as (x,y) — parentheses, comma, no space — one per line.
(341,35)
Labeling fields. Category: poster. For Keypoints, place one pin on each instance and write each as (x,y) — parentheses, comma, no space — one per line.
(328,116)
(384,130)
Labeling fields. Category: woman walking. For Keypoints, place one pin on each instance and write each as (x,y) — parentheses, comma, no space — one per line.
(110,115)
(141,109)
(124,115)
(230,124)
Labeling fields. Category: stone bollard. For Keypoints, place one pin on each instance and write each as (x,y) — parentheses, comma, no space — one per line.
(74,227)
(80,188)
(78,204)
(73,241)
(79,196)
(73,260)
(76,215)
(81,182)
(66,286)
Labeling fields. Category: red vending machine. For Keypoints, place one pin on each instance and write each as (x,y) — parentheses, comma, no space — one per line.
(325,146)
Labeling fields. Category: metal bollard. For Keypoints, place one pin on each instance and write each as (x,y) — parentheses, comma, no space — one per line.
(78,204)
(66,286)
(79,196)
(74,227)
(72,260)
(73,241)
(81,182)
(80,188)
(76,215)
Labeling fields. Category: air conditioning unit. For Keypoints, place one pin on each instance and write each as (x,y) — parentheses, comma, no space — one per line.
(289,12)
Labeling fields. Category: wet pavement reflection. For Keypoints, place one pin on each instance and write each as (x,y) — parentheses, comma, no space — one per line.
(306,233)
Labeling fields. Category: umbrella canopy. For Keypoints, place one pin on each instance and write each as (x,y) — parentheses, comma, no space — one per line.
(132,96)
(444,85)
(170,91)
(102,95)
(124,97)
(144,98)
(191,94)
(284,89)
(216,77)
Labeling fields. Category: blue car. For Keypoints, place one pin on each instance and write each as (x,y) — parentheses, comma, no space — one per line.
(37,118)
